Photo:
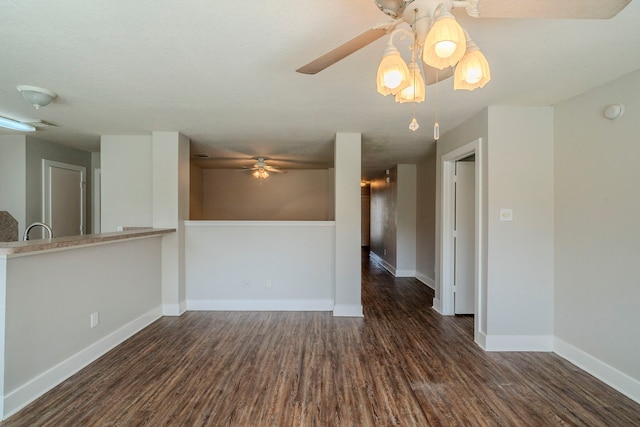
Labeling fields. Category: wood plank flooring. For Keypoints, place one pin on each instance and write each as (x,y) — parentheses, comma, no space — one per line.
(402,364)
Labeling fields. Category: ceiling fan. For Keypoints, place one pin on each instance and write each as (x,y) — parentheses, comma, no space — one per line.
(419,14)
(261,169)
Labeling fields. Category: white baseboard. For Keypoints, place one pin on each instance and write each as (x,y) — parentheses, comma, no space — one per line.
(622,382)
(482,340)
(390,268)
(405,273)
(437,305)
(261,305)
(173,309)
(518,342)
(344,310)
(426,280)
(28,392)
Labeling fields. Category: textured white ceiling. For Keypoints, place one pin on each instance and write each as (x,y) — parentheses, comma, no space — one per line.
(223,74)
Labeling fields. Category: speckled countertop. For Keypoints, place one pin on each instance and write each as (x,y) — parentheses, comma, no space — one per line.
(10,248)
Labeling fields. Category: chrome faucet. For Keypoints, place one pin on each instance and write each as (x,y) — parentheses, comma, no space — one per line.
(25,236)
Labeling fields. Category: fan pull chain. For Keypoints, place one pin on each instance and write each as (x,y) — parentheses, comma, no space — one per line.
(414,123)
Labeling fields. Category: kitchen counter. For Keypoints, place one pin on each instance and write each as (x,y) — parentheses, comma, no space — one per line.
(12,248)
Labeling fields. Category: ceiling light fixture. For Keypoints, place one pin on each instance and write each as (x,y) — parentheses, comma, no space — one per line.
(393,73)
(15,125)
(36,96)
(261,174)
(441,43)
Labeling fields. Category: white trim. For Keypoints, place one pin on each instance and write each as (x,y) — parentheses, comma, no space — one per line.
(430,282)
(446,265)
(44,382)
(260,305)
(518,342)
(344,310)
(437,305)
(260,223)
(482,340)
(405,273)
(174,309)
(96,207)
(609,375)
(390,268)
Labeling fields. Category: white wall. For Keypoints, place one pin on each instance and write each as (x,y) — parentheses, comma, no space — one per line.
(298,195)
(520,252)
(13,178)
(127,181)
(597,234)
(348,275)
(517,261)
(426,219)
(48,307)
(406,221)
(170,186)
(228,264)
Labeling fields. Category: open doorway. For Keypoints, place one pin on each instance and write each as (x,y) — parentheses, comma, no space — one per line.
(464,236)
(63,202)
(462,288)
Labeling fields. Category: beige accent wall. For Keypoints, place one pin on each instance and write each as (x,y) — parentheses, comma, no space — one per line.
(298,195)
(196,211)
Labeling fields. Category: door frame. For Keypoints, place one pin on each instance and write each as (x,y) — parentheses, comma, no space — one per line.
(46,190)
(97,201)
(447,263)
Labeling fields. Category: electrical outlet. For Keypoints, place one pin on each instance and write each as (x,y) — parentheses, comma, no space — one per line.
(247,284)
(268,284)
(94,319)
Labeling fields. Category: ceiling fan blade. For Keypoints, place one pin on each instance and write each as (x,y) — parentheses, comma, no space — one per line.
(551,9)
(342,51)
(433,75)
(271,169)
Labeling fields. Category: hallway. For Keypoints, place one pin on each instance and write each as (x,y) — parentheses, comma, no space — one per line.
(403,364)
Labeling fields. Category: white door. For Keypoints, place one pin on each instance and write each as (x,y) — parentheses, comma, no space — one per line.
(464,238)
(64,198)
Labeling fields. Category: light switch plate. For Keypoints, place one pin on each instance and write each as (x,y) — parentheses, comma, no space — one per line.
(506,215)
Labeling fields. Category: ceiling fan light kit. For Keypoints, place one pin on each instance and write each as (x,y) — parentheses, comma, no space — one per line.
(393,73)
(261,169)
(415,92)
(445,43)
(472,71)
(261,174)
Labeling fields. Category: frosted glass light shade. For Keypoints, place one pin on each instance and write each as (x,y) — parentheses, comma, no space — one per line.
(445,43)
(472,71)
(415,92)
(393,73)
(36,96)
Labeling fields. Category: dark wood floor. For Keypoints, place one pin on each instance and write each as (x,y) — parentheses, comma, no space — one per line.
(402,364)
